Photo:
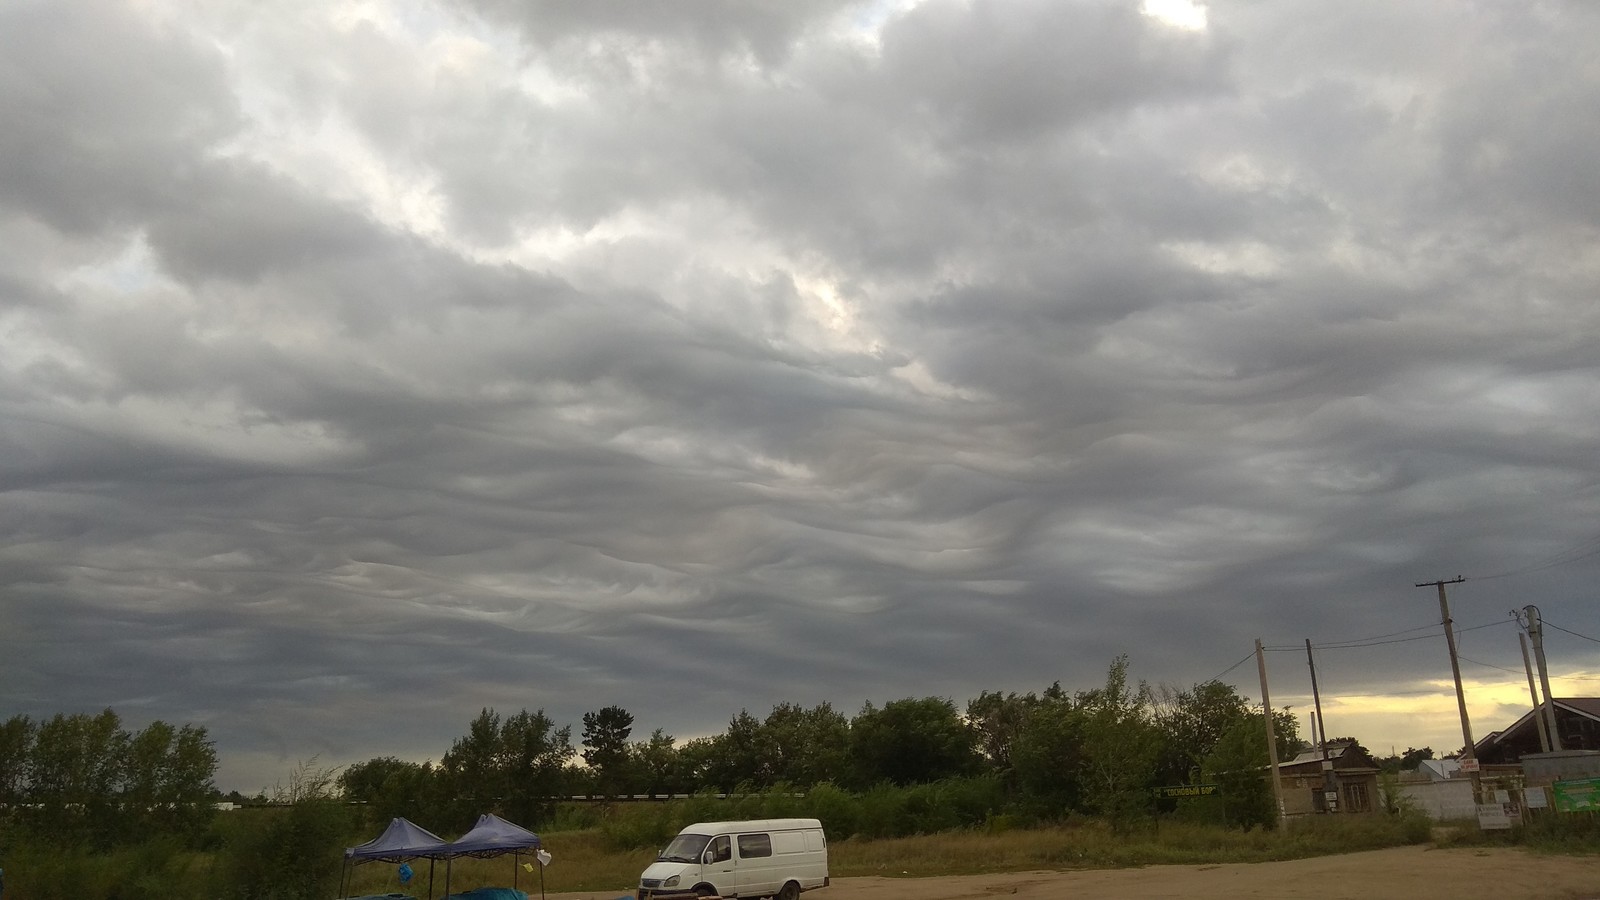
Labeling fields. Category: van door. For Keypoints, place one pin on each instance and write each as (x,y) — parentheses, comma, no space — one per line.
(757,868)
(719,866)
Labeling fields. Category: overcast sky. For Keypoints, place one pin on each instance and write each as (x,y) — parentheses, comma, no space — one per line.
(365,364)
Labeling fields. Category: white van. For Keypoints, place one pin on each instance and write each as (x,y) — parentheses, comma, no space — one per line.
(759,858)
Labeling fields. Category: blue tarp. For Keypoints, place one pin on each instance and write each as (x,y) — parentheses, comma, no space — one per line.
(401,841)
(489,893)
(493,836)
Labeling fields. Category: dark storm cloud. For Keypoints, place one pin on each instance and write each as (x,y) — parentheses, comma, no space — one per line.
(363,368)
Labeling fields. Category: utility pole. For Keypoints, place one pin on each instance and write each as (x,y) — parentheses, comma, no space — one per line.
(1533,692)
(1467,752)
(1536,634)
(1330,782)
(1272,736)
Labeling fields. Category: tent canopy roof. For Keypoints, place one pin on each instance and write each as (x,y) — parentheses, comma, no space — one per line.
(402,840)
(493,836)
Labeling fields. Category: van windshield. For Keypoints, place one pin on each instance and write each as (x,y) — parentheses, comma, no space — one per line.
(685,848)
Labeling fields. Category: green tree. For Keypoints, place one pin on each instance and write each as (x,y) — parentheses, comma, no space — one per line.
(1120,746)
(1191,722)
(698,762)
(16,749)
(1047,758)
(472,773)
(911,741)
(1239,766)
(998,721)
(74,778)
(1408,761)
(390,787)
(738,756)
(655,765)
(363,782)
(804,747)
(532,758)
(605,742)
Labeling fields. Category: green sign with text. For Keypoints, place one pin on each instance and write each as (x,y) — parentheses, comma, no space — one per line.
(1581,795)
(1185,791)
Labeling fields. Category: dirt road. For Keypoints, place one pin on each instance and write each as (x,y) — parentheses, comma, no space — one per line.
(1402,873)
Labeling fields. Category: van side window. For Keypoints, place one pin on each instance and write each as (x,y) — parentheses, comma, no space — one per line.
(754,845)
(721,849)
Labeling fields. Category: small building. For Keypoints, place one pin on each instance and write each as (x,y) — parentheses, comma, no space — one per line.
(1346,781)
(1577,728)
(1433,770)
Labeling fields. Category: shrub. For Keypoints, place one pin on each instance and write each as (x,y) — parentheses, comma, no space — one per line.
(291,851)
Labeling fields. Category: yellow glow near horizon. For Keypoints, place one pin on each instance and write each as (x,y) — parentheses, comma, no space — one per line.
(1430,718)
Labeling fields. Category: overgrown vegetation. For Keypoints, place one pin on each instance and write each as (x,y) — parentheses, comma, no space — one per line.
(1036,756)
(917,786)
(597,858)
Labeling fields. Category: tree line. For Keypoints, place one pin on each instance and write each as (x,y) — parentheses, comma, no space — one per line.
(84,780)
(1048,754)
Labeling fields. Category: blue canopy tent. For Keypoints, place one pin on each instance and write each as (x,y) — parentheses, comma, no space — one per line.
(401,841)
(493,836)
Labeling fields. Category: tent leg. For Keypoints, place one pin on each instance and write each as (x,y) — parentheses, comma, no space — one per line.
(514,858)
(541,881)
(430,878)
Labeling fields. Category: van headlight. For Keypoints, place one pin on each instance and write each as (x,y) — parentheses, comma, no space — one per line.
(670,882)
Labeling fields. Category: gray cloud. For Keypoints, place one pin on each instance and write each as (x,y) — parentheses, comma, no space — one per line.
(362,369)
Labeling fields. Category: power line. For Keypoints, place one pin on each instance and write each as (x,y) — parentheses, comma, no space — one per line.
(1573,633)
(1570,555)
(1351,645)
(1488,665)
(1242,661)
(1381,636)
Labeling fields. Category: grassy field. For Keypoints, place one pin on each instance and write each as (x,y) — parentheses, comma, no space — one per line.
(583,861)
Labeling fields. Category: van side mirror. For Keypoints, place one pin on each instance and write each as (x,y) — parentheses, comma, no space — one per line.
(708,857)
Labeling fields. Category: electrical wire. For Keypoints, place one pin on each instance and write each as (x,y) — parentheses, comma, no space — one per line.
(1573,633)
(1218,676)
(1381,636)
(1488,665)
(1351,645)
(1570,555)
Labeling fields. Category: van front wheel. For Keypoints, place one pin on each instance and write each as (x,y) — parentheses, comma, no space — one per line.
(791,891)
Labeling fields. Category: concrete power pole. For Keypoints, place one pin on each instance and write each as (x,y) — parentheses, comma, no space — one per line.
(1533,693)
(1469,751)
(1272,736)
(1536,634)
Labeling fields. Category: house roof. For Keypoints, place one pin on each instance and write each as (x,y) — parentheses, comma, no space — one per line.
(1439,769)
(1583,706)
(1344,754)
(1587,707)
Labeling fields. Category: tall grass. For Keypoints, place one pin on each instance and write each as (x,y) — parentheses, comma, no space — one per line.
(587,860)
(1095,844)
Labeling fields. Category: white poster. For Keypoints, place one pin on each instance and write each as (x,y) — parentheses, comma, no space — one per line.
(1492,817)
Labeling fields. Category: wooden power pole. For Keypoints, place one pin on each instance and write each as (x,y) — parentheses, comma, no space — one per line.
(1330,782)
(1468,752)
(1272,735)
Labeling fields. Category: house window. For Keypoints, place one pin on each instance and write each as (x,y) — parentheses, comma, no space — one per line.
(1355,798)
